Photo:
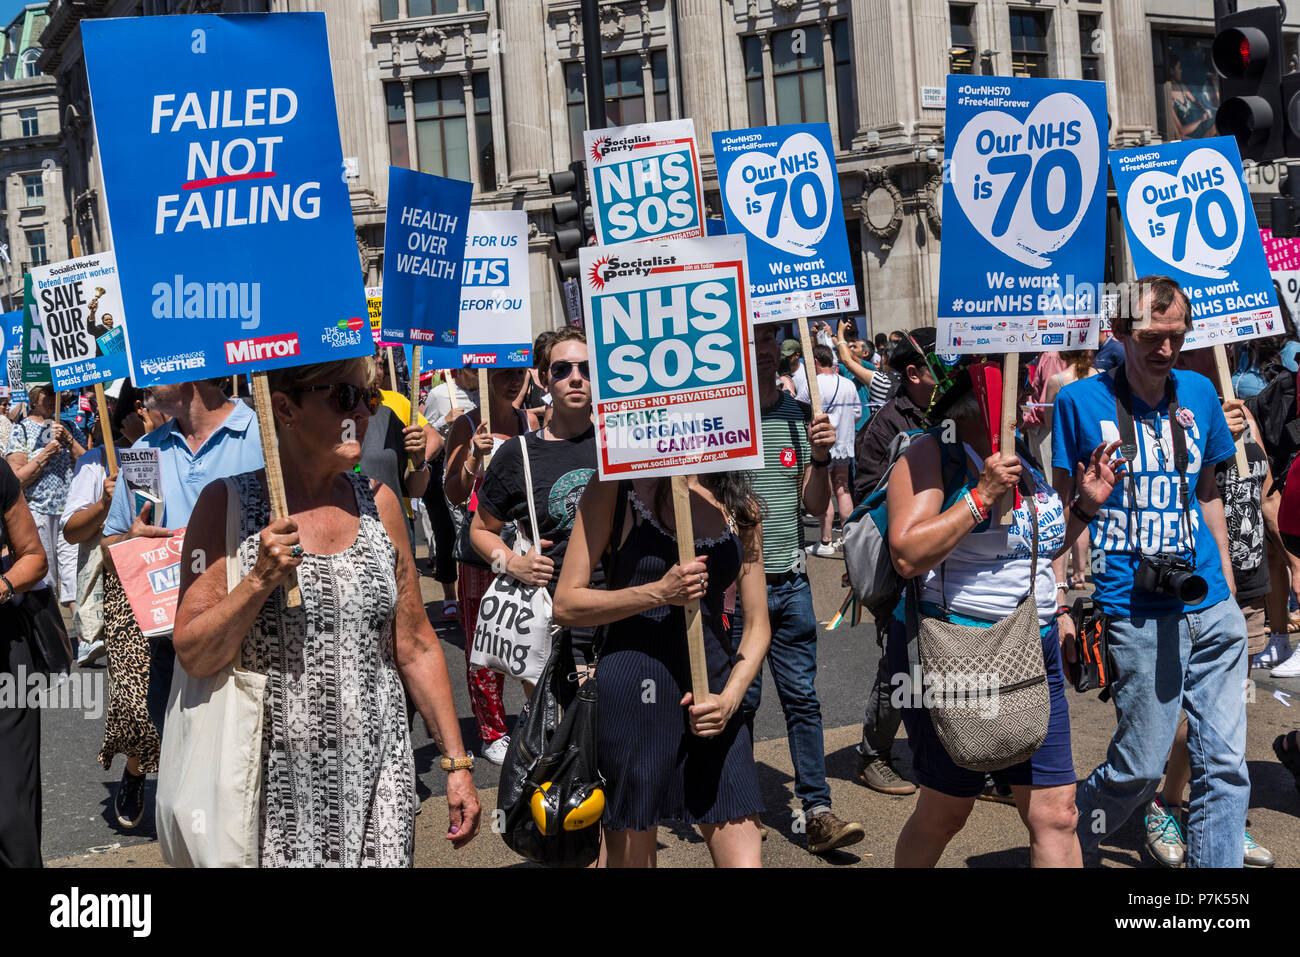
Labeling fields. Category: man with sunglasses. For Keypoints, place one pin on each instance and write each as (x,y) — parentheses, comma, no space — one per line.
(912,356)
(1177,638)
(208,437)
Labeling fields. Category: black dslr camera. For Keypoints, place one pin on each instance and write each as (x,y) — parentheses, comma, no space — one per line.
(1172,576)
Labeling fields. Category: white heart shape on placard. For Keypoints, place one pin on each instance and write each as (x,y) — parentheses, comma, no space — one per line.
(982,194)
(751,198)
(1189,214)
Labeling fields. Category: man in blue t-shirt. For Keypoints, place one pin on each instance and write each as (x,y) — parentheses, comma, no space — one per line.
(1168,654)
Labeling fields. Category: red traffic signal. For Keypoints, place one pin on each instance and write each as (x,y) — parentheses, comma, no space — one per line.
(1247,55)
(1240,52)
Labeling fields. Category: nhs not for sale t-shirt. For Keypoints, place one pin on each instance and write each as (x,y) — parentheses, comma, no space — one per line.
(1086,416)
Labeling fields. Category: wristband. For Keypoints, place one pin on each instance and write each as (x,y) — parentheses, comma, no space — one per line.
(1061,612)
(10,593)
(824,463)
(1079,513)
(457,764)
(1062,586)
(974,509)
(979,503)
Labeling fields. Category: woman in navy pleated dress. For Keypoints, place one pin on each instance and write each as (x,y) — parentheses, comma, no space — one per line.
(665,757)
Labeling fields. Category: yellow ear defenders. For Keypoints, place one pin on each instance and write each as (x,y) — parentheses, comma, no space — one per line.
(583,808)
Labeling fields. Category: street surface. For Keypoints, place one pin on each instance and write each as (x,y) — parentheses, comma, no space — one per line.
(79,829)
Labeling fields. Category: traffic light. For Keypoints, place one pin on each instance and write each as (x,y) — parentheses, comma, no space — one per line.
(571,216)
(1247,54)
(1284,208)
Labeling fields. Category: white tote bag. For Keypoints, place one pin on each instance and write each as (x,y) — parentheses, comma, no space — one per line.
(210,770)
(513,632)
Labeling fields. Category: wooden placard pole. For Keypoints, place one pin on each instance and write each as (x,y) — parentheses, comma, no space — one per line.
(274,477)
(1007,427)
(417,460)
(686,555)
(810,367)
(484,407)
(101,406)
(392,368)
(1225,388)
(451,389)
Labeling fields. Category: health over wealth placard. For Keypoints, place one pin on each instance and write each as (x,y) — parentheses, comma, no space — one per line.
(779,188)
(1024,214)
(79,306)
(1188,215)
(224,178)
(644,182)
(424,244)
(673,382)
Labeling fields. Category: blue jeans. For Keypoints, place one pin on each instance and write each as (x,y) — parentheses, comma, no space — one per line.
(793,659)
(1197,663)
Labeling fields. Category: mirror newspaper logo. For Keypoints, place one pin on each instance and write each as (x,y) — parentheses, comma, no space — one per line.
(244,351)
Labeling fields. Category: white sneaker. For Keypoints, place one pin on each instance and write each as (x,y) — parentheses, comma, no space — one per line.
(89,653)
(496,751)
(822,550)
(1290,667)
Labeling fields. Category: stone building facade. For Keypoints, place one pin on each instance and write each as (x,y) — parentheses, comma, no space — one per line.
(32,204)
(492,91)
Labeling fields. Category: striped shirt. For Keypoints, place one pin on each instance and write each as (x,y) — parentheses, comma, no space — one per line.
(779,482)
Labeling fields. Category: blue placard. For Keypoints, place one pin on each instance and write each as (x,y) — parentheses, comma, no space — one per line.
(225,185)
(780,189)
(715,227)
(11,337)
(1188,216)
(424,245)
(112,342)
(1024,214)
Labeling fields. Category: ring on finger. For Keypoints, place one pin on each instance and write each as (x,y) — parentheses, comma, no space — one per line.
(296,551)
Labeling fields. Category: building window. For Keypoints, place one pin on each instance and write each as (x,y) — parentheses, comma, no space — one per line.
(624,90)
(799,80)
(487,158)
(29,63)
(659,73)
(441,138)
(625,93)
(36,246)
(846,87)
(1028,43)
(754,81)
(961,52)
(1090,40)
(427,8)
(34,188)
(1187,90)
(31,124)
(388,10)
(399,148)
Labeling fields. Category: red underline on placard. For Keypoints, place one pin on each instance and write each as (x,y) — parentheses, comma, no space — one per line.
(218,180)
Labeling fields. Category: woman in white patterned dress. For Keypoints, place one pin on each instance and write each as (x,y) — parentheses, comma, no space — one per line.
(339,781)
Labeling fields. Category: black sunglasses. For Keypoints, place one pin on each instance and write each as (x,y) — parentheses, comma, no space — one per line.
(562,368)
(346,396)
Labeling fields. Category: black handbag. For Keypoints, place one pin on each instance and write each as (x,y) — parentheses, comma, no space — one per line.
(1092,668)
(551,793)
(36,615)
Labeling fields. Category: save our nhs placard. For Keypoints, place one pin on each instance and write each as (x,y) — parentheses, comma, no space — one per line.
(780,188)
(424,243)
(11,340)
(1024,214)
(1188,216)
(644,182)
(224,178)
(496,323)
(79,304)
(673,380)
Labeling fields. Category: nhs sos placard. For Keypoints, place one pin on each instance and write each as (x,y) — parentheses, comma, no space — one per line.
(644,182)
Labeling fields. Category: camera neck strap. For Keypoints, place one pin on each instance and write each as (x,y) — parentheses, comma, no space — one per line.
(1129,446)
